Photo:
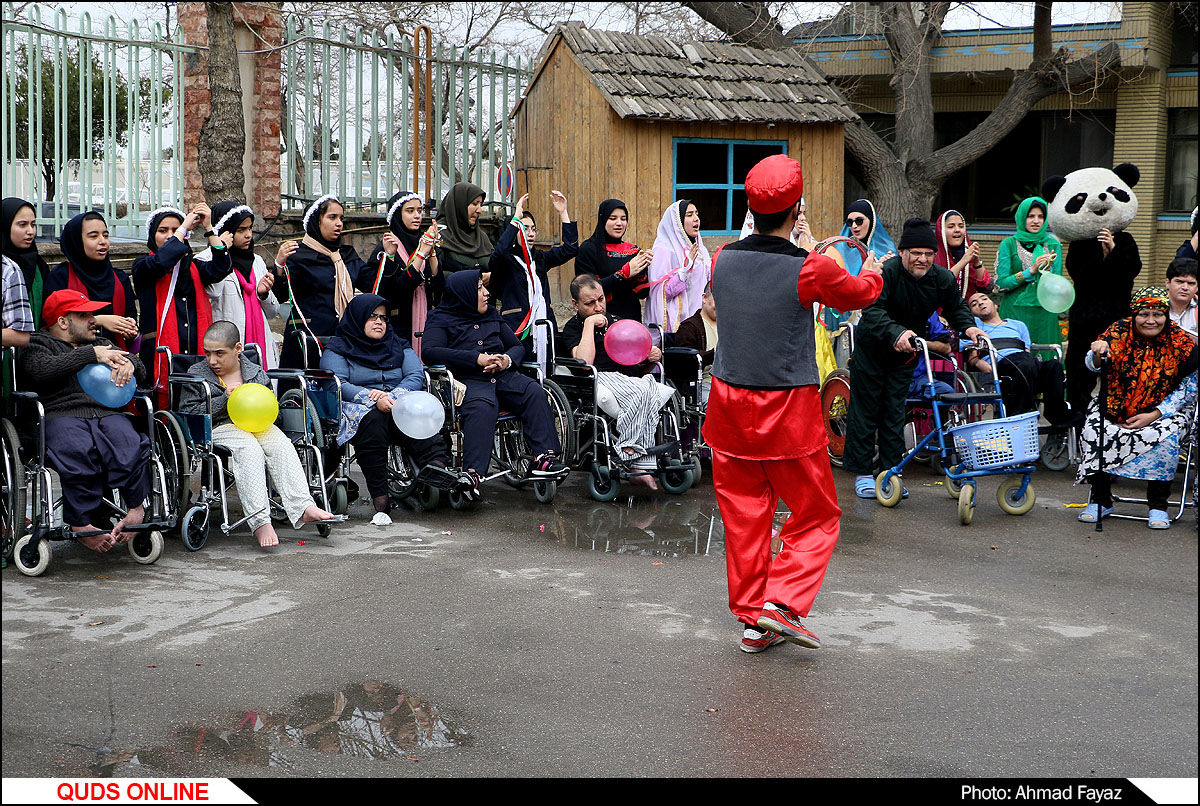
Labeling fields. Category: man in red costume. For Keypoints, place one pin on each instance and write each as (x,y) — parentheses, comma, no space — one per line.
(764,412)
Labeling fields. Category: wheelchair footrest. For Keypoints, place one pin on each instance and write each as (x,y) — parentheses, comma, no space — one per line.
(438,477)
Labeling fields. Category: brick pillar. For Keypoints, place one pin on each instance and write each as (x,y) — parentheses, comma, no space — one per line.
(262,113)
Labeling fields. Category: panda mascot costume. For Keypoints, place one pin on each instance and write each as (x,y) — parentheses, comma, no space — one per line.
(1090,209)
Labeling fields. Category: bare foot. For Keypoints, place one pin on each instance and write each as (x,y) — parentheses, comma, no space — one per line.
(100,543)
(314,514)
(133,517)
(648,480)
(266,536)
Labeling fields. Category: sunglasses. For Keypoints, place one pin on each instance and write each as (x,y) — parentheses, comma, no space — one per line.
(856,222)
(377,317)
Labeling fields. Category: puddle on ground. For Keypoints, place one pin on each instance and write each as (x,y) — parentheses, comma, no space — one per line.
(370,720)
(646,528)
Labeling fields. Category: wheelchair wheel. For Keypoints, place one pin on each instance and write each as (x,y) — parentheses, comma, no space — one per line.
(461,502)
(173,454)
(697,470)
(427,497)
(402,473)
(676,479)
(194,528)
(30,561)
(291,424)
(340,500)
(1056,453)
(966,504)
(1006,496)
(564,420)
(323,529)
(601,486)
(13,503)
(835,409)
(511,450)
(146,547)
(953,487)
(888,489)
(544,491)
(963,384)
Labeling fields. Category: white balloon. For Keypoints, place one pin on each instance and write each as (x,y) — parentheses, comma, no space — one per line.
(419,415)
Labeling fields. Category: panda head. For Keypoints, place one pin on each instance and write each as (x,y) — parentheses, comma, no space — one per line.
(1091,199)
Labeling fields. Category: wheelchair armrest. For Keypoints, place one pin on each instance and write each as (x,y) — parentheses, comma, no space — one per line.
(571,362)
(680,351)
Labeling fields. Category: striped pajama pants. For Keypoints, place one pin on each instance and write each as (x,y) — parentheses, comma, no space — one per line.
(254,455)
(639,402)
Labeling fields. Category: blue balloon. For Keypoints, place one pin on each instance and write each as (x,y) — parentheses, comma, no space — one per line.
(96,380)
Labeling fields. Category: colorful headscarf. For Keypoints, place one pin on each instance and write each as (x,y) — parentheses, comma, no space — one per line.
(877,241)
(1143,371)
(1152,296)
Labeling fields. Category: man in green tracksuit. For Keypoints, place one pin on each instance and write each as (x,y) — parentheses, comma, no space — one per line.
(881,367)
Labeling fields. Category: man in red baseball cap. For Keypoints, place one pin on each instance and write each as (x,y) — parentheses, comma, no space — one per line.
(764,420)
(93,448)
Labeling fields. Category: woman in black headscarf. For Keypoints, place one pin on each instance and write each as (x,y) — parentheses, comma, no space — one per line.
(376,367)
(87,269)
(321,277)
(619,265)
(170,286)
(467,335)
(20,250)
(464,243)
(403,263)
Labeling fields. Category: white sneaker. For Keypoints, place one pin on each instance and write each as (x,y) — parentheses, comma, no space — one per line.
(381,519)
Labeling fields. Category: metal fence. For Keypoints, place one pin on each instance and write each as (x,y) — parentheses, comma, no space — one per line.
(92,117)
(366,115)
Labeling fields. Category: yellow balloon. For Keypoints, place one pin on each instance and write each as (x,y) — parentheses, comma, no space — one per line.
(253,407)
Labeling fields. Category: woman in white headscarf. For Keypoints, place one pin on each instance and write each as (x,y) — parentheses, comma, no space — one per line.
(681,267)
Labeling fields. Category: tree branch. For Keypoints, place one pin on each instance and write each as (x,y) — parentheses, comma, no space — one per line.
(1029,87)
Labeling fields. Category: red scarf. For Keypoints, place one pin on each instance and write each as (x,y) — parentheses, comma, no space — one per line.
(118,300)
(168,331)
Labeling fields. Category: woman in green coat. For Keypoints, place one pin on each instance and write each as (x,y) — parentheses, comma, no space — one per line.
(1020,262)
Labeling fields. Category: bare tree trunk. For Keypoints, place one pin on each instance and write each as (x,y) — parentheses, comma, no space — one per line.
(223,136)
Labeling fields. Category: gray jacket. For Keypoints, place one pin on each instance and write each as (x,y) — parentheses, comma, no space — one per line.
(192,398)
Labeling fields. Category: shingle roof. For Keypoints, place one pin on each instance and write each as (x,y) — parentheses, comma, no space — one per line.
(654,78)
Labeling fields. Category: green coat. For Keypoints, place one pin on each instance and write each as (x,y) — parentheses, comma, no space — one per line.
(1020,298)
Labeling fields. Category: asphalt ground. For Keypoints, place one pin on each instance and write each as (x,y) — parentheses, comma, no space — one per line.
(584,639)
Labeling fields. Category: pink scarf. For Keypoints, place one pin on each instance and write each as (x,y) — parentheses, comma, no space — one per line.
(255,332)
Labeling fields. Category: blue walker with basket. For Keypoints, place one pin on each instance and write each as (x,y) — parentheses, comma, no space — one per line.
(1006,446)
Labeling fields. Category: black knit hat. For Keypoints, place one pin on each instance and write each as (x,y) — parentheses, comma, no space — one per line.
(918,234)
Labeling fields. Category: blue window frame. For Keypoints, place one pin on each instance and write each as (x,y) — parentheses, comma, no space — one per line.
(712,174)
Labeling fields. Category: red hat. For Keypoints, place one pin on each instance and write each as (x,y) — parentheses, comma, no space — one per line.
(68,301)
(774,184)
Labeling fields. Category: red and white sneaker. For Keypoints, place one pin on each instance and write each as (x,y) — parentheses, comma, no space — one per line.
(757,640)
(778,618)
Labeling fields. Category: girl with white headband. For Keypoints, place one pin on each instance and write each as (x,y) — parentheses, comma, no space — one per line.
(170,282)
(322,277)
(405,268)
(245,296)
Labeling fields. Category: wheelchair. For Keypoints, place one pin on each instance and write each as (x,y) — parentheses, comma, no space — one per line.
(511,455)
(202,461)
(683,368)
(30,508)
(674,460)
(1059,447)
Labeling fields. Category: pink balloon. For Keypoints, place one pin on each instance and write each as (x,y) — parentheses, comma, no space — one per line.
(627,342)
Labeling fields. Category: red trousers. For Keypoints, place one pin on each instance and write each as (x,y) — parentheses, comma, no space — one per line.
(747,493)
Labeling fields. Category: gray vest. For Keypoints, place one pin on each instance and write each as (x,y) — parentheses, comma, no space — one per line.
(766,332)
